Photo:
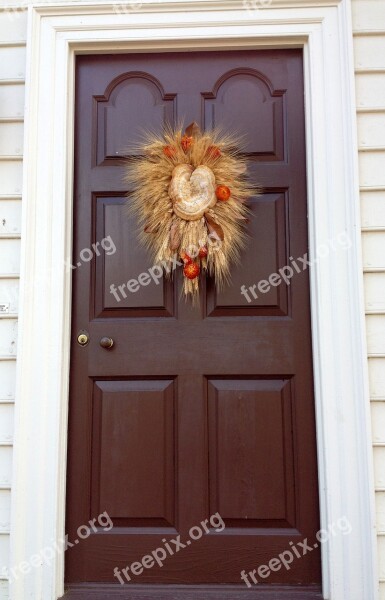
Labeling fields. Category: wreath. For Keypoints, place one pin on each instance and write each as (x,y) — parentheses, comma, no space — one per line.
(188,190)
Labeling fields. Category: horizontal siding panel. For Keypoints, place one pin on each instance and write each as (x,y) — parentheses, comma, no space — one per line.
(378,423)
(4,551)
(10,217)
(11,177)
(12,100)
(381,556)
(5,511)
(7,380)
(373,248)
(9,256)
(382,591)
(379,467)
(369,52)
(11,139)
(373,208)
(6,423)
(367,14)
(371,129)
(370,90)
(377,378)
(372,171)
(380,511)
(5,466)
(9,294)
(13,27)
(375,334)
(374,286)
(8,339)
(12,63)
(4,590)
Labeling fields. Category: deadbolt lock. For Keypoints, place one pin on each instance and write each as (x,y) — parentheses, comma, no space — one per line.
(83,338)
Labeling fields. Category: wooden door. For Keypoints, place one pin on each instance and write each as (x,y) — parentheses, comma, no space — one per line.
(192,412)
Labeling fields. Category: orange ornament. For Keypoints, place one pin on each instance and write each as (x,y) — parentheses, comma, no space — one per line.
(186,258)
(169,151)
(203,252)
(191,270)
(223,193)
(213,152)
(186,142)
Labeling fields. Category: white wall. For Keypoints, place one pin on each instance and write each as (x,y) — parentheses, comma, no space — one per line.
(369,49)
(369,45)
(13,28)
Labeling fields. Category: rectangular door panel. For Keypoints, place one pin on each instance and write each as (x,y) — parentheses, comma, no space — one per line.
(250,418)
(134,445)
(125,286)
(266,253)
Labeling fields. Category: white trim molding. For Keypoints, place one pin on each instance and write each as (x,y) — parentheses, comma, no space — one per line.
(56,34)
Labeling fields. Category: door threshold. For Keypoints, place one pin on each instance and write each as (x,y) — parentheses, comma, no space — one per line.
(96,591)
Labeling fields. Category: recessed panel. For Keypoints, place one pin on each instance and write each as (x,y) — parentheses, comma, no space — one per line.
(126,282)
(133,452)
(251,451)
(134,103)
(260,121)
(264,254)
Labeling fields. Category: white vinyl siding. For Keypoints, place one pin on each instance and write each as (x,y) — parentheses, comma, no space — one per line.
(13,28)
(369,50)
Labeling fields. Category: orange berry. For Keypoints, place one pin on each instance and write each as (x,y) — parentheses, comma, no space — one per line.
(203,252)
(191,271)
(186,142)
(169,151)
(223,193)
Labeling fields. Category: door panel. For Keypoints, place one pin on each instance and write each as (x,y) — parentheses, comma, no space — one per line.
(129,260)
(133,102)
(251,418)
(133,425)
(264,106)
(268,228)
(193,411)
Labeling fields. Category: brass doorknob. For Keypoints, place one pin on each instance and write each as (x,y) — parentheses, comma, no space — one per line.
(106,342)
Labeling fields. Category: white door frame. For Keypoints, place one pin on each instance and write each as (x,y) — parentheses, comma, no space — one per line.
(56,34)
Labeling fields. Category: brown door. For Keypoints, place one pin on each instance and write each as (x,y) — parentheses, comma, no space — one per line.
(192,412)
